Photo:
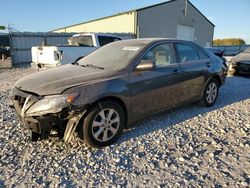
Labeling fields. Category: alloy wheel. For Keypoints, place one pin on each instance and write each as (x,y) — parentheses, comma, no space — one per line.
(105,124)
(211,92)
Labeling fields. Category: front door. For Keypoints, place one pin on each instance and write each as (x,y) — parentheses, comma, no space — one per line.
(156,89)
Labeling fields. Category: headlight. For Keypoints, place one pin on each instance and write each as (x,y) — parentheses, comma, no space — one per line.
(51,104)
(56,55)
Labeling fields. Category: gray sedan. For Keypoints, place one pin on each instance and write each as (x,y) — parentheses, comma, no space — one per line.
(240,64)
(120,83)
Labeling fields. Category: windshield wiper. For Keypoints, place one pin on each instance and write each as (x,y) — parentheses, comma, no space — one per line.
(75,63)
(92,66)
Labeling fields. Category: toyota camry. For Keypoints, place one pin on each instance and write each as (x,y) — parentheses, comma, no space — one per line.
(105,92)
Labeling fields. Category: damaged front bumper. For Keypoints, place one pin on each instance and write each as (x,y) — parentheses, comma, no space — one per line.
(61,121)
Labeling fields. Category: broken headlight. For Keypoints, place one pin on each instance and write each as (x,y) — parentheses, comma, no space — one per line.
(51,104)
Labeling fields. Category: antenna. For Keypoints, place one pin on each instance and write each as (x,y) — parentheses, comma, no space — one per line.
(11,28)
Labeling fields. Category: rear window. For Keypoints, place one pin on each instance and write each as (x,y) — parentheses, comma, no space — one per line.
(103,40)
(186,52)
(202,54)
(82,41)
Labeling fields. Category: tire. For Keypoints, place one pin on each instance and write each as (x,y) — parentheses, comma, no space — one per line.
(103,124)
(35,136)
(211,92)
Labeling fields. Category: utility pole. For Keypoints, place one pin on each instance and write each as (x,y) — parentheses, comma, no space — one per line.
(11,28)
(186,7)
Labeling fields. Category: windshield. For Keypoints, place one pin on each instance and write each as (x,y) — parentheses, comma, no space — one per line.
(115,56)
(82,41)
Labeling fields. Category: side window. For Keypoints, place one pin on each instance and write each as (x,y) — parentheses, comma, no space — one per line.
(161,54)
(103,40)
(202,54)
(84,40)
(116,39)
(186,52)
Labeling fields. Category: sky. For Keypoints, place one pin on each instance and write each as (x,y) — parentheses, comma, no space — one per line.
(230,17)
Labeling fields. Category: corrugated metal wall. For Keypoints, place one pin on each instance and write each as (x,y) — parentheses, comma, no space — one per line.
(162,21)
(21,44)
(233,50)
(4,39)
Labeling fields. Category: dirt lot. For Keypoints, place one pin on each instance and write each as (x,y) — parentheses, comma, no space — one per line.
(5,63)
(188,147)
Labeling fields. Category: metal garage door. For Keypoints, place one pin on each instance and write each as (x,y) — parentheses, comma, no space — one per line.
(185,32)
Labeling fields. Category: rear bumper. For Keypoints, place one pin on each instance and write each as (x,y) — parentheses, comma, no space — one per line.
(43,66)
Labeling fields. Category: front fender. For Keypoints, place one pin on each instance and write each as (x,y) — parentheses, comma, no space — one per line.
(95,91)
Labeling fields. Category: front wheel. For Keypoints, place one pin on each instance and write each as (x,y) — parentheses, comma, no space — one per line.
(103,124)
(210,93)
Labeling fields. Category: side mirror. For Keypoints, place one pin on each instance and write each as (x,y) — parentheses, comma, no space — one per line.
(145,65)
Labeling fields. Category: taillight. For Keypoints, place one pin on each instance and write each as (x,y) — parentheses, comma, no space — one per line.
(56,55)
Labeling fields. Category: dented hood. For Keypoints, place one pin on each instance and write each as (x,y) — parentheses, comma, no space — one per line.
(57,80)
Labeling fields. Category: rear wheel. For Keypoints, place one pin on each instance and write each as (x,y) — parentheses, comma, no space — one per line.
(103,124)
(210,93)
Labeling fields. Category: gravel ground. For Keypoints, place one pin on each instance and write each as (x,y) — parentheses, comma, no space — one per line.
(188,147)
(5,63)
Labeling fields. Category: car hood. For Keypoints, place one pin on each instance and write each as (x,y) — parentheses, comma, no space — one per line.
(56,80)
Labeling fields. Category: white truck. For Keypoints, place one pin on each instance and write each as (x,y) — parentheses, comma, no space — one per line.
(79,46)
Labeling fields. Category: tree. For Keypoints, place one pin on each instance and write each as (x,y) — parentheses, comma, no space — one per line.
(229,41)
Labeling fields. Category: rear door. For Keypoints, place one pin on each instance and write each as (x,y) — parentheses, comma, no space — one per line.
(194,65)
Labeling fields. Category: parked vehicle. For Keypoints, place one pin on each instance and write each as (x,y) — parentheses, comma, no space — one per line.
(5,52)
(240,64)
(216,51)
(79,46)
(107,90)
(219,53)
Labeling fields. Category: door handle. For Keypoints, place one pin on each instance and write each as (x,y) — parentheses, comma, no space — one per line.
(147,82)
(208,64)
(176,71)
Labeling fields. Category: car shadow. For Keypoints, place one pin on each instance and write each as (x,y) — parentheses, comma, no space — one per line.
(235,89)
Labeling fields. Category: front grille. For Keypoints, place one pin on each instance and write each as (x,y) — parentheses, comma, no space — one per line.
(19,97)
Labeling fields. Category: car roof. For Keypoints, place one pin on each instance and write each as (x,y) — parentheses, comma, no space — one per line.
(151,40)
(95,34)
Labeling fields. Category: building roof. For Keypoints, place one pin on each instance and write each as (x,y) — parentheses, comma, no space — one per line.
(134,10)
